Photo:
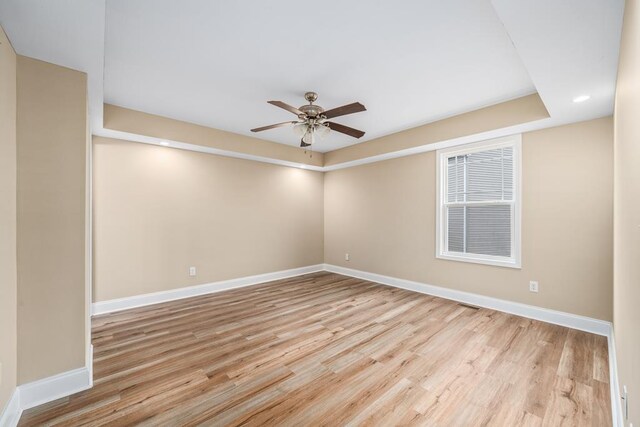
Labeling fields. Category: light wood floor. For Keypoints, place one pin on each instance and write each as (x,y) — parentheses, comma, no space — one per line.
(325,349)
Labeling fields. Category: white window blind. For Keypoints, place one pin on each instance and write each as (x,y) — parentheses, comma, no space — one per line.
(479,203)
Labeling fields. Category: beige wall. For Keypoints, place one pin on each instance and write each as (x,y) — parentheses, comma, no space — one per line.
(383,215)
(51,153)
(158,211)
(8,275)
(126,120)
(627,210)
(520,110)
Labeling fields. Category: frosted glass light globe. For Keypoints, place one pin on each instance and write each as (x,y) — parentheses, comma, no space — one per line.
(300,129)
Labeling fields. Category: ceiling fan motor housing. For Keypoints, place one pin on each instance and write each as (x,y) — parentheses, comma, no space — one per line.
(312,110)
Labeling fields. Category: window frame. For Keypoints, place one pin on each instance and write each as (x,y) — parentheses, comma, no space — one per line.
(514,141)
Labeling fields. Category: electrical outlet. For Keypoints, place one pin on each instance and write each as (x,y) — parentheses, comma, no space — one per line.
(192,271)
(346,257)
(533,286)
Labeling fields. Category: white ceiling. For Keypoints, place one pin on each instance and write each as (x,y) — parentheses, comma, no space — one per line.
(217,63)
(570,48)
(64,32)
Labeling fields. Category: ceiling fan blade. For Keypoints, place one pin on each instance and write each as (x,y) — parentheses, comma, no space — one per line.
(345,129)
(277,125)
(287,107)
(356,107)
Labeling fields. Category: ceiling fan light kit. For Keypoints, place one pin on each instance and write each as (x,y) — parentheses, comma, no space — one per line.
(313,120)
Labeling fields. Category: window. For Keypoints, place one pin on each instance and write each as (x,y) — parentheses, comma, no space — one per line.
(478,217)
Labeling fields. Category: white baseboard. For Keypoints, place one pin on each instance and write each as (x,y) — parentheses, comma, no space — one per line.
(89,365)
(43,391)
(574,321)
(55,387)
(12,411)
(110,306)
(616,403)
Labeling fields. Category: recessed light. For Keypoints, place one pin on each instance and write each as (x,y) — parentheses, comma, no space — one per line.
(165,143)
(581,98)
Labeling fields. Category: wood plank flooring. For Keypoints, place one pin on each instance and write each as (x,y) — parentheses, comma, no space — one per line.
(329,350)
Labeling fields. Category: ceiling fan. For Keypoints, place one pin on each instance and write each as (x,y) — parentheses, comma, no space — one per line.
(313,119)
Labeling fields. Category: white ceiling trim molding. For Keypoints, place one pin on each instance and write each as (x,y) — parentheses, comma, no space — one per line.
(468,139)
(169,143)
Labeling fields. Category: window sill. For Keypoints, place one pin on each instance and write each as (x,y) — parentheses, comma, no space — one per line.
(479,260)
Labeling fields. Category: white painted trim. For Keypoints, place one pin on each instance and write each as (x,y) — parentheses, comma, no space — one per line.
(12,411)
(574,321)
(46,390)
(55,387)
(616,403)
(468,139)
(126,136)
(89,364)
(513,141)
(88,261)
(453,142)
(109,306)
